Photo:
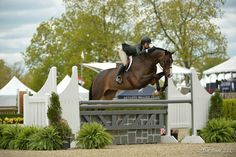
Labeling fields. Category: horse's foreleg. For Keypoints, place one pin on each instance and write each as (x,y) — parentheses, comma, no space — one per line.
(165,85)
(109,95)
(157,77)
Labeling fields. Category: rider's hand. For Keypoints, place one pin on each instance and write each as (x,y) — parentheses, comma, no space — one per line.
(144,51)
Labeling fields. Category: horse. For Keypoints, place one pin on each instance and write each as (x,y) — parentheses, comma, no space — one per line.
(141,73)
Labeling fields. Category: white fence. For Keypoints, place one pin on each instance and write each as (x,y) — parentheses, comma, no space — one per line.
(35,107)
(179,115)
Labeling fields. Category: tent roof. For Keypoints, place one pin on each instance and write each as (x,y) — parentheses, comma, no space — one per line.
(103,66)
(99,66)
(63,84)
(13,85)
(225,67)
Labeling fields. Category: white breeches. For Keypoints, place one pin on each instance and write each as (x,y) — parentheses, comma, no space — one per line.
(123,57)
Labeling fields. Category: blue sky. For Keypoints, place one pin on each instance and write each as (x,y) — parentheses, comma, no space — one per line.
(20,18)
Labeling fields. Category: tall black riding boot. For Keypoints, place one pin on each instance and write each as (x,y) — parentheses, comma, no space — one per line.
(118,75)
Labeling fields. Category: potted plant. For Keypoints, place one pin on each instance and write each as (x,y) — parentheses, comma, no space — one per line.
(64,132)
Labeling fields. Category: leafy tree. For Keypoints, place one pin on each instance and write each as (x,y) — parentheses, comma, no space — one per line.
(91,27)
(5,72)
(17,69)
(185,27)
(97,29)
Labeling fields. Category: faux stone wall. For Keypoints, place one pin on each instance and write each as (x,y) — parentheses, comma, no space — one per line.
(136,136)
(131,129)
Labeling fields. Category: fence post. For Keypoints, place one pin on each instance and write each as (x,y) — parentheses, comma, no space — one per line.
(192,106)
(196,92)
(25,111)
(69,100)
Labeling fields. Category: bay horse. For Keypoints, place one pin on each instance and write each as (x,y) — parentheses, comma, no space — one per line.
(141,73)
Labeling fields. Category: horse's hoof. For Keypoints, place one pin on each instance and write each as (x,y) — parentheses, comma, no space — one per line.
(155,93)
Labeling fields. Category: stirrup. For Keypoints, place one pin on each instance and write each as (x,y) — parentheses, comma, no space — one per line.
(118,79)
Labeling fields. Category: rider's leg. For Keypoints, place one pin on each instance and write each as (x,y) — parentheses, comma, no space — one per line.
(119,71)
(123,57)
(121,68)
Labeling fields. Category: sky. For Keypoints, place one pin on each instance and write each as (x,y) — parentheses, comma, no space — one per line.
(18,22)
(20,18)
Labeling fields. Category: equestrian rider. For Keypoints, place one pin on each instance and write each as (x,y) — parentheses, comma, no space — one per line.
(129,51)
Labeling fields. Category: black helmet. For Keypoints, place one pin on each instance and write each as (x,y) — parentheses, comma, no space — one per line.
(145,39)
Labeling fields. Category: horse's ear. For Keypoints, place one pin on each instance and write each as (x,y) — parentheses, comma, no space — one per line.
(172,53)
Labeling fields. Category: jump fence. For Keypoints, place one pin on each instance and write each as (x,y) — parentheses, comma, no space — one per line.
(130,121)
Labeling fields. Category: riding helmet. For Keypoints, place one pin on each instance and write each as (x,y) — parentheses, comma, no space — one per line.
(145,39)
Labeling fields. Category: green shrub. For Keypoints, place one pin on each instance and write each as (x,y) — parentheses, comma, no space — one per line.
(216,106)
(218,130)
(233,125)
(54,110)
(45,139)
(93,135)
(55,119)
(2,126)
(3,116)
(23,137)
(9,136)
(229,109)
(63,129)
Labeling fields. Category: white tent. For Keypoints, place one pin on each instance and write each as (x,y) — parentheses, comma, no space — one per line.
(83,93)
(225,70)
(99,66)
(8,94)
(103,66)
(228,66)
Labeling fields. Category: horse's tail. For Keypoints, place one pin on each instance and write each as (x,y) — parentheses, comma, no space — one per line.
(91,91)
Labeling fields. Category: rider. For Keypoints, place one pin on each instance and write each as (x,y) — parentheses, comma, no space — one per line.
(131,50)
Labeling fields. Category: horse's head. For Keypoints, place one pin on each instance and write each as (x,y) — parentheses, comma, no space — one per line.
(166,63)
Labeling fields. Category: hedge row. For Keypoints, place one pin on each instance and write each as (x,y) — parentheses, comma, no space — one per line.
(229,109)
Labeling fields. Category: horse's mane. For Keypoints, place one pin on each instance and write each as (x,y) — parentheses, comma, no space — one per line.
(156,48)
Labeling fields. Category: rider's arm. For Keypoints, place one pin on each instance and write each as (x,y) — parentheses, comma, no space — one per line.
(139,49)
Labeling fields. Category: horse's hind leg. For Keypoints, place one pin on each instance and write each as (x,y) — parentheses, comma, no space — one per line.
(109,95)
(98,94)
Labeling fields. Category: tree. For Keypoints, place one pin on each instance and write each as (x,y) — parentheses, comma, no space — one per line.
(5,72)
(186,27)
(90,27)
(17,69)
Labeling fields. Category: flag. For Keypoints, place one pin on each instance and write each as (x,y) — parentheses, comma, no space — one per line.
(82,55)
